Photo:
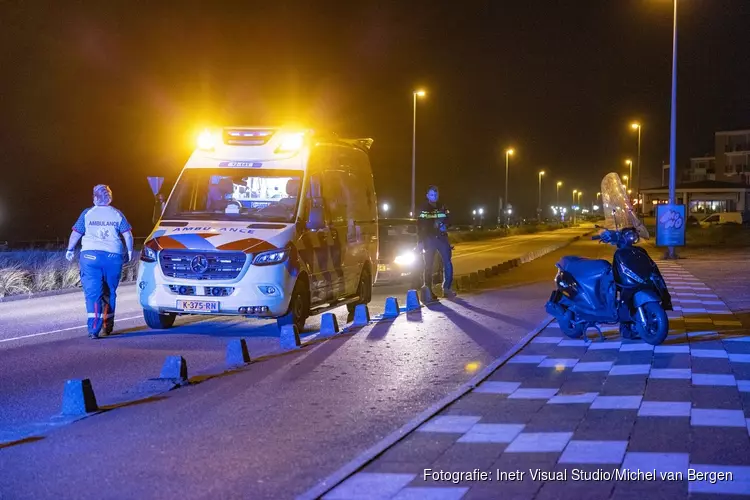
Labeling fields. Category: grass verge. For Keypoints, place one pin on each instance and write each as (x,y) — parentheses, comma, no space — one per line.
(34,271)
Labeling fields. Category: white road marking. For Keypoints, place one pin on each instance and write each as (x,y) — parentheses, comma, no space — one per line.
(58,331)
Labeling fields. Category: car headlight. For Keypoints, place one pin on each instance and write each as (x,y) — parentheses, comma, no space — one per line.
(148,254)
(405,259)
(271,257)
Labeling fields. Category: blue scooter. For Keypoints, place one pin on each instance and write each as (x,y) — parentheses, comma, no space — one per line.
(631,291)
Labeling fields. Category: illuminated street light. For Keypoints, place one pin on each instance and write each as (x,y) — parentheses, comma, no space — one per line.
(637,126)
(508,153)
(416,93)
(629,163)
(539,211)
(559,183)
(626,179)
(386,207)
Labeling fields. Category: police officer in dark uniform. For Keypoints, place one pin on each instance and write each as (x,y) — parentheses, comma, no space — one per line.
(433,237)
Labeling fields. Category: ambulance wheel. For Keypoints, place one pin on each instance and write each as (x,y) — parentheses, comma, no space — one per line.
(364,291)
(157,321)
(299,307)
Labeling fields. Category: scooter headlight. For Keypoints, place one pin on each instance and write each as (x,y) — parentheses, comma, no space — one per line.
(630,274)
(405,259)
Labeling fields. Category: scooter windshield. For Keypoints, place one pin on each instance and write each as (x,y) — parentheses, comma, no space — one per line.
(618,211)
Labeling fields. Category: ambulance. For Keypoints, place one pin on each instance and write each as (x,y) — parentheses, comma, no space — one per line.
(264,223)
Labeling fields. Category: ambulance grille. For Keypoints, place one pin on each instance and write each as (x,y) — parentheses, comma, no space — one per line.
(196,265)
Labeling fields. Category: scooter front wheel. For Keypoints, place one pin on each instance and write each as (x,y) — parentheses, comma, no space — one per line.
(569,327)
(656,328)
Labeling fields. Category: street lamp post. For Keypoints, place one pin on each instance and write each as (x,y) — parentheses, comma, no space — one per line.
(629,163)
(416,93)
(539,210)
(573,206)
(386,207)
(637,125)
(508,154)
(559,183)
(481,217)
(671,253)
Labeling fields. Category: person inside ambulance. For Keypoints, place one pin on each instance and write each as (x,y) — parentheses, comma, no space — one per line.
(220,195)
(433,237)
(292,192)
(99,229)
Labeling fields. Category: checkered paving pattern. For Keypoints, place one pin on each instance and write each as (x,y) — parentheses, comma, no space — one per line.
(564,405)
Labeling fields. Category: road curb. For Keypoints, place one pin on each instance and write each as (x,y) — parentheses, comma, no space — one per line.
(527,257)
(384,444)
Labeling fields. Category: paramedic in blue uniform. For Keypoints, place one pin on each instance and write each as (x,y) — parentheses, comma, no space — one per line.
(433,237)
(99,229)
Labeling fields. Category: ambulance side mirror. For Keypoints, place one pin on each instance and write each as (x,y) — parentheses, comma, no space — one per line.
(316,220)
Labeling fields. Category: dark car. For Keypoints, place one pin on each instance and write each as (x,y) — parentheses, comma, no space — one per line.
(398,260)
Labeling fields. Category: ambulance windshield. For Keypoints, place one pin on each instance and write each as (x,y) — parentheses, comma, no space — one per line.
(233,194)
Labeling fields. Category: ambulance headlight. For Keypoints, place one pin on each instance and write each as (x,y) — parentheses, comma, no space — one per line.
(405,259)
(291,143)
(207,140)
(271,257)
(148,254)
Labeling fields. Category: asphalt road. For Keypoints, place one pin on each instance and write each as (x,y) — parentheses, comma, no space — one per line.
(43,341)
(269,431)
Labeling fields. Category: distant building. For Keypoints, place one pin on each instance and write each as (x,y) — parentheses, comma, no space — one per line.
(702,198)
(701,169)
(732,152)
(730,162)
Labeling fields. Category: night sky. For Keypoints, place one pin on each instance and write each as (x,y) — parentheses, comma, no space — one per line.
(110,92)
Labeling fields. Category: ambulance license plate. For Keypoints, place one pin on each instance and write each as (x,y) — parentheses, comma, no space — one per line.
(198,305)
(382,267)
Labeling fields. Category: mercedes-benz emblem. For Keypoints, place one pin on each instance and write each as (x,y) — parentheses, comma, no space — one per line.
(199,264)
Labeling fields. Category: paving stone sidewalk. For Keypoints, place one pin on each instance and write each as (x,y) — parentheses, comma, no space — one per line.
(588,410)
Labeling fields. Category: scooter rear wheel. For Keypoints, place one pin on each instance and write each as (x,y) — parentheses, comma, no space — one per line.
(569,327)
(657,324)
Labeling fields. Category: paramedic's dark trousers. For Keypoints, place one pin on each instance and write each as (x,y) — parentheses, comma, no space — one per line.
(441,245)
(100,275)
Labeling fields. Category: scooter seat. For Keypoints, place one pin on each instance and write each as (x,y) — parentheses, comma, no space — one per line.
(583,268)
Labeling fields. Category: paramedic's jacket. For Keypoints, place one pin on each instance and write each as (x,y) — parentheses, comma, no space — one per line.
(101,227)
(429,218)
